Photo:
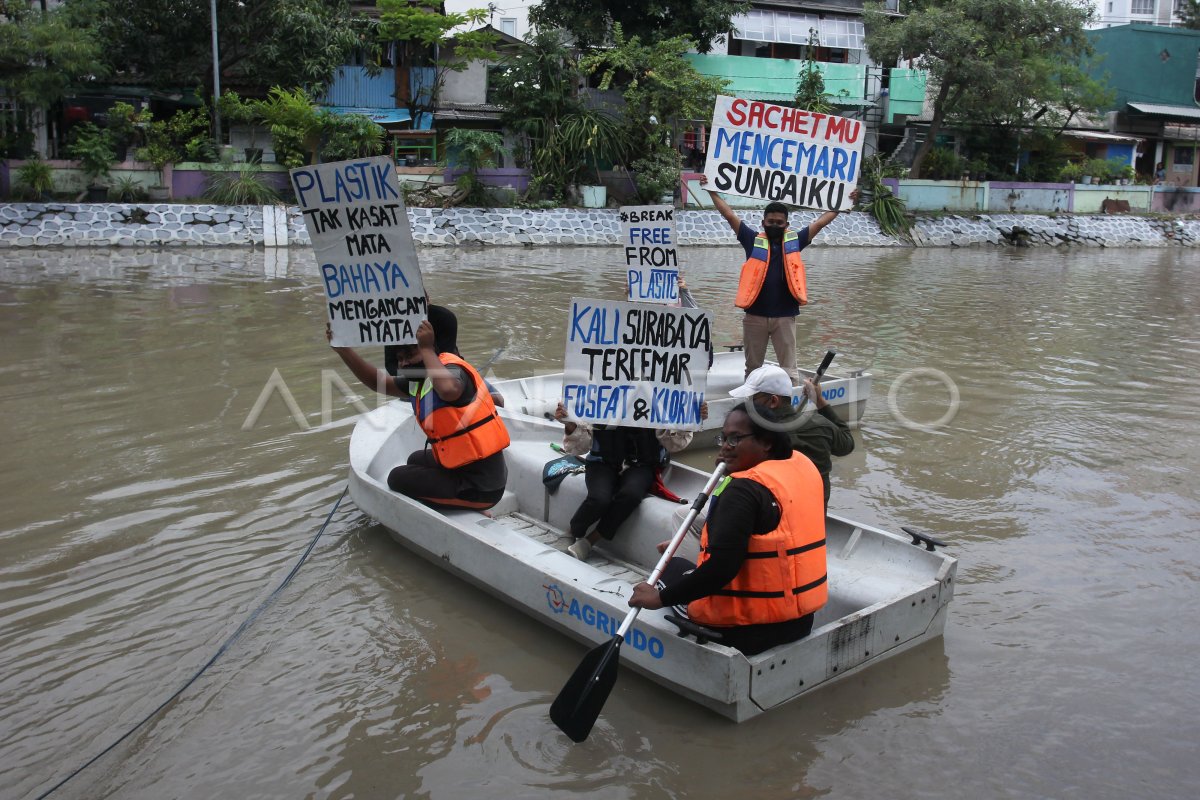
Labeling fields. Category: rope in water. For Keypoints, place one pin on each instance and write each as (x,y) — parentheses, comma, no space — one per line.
(220,651)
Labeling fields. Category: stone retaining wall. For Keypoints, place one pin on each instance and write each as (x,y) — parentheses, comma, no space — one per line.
(96,225)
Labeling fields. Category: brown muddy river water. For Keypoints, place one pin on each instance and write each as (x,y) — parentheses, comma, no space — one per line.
(142,523)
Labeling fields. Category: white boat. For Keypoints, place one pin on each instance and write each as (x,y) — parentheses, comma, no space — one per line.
(538,396)
(885,594)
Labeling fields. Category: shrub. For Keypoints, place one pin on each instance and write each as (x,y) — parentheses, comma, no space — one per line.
(472,151)
(93,149)
(942,164)
(243,185)
(1071,172)
(657,174)
(35,179)
(351,136)
(128,190)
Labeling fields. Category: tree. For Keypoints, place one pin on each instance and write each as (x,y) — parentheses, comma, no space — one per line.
(262,43)
(810,89)
(429,37)
(1012,63)
(661,89)
(1189,14)
(43,56)
(650,21)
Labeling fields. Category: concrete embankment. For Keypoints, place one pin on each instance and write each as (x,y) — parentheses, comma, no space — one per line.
(180,224)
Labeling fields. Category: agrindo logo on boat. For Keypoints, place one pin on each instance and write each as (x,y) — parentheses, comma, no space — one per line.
(594,618)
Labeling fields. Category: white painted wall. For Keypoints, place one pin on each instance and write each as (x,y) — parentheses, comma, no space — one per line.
(507,16)
(1137,12)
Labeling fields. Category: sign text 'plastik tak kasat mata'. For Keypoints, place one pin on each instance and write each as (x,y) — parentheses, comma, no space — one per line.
(356,218)
(635,364)
(782,154)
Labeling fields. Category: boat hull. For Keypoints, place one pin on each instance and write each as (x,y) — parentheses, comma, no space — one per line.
(885,594)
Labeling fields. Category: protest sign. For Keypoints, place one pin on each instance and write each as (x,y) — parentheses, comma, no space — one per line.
(636,364)
(786,154)
(359,228)
(651,260)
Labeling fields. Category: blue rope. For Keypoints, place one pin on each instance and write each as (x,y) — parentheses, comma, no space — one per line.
(220,651)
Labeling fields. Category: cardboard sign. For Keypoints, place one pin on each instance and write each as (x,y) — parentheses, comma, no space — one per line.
(636,364)
(783,154)
(651,260)
(359,227)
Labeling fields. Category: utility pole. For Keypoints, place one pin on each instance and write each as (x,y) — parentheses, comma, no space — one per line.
(212,10)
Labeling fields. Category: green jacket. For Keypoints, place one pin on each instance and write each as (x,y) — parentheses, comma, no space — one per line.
(820,437)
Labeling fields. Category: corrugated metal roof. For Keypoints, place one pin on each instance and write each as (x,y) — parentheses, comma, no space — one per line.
(1099,136)
(1159,110)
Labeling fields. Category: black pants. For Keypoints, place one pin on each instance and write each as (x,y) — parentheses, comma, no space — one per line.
(750,639)
(423,479)
(612,496)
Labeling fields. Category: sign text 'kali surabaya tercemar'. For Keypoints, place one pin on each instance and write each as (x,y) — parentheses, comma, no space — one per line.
(651,260)
(783,154)
(359,229)
(636,364)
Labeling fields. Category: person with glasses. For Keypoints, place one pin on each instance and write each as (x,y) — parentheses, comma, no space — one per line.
(820,435)
(462,464)
(761,574)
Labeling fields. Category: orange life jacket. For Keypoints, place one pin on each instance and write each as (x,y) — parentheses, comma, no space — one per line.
(784,574)
(460,435)
(754,271)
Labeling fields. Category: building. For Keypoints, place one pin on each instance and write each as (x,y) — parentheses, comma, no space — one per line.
(510,17)
(1110,13)
(1157,93)
(769,47)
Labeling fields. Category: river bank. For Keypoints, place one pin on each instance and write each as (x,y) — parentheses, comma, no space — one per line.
(182,224)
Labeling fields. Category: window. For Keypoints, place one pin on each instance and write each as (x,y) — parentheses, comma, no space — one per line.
(508,25)
(1142,7)
(1184,157)
(784,27)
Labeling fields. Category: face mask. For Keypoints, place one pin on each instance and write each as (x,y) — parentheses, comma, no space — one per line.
(774,232)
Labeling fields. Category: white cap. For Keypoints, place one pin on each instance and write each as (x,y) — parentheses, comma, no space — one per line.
(769,379)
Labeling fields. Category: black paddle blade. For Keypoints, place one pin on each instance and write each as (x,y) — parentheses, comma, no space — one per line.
(578,705)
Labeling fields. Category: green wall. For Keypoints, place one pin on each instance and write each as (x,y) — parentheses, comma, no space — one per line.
(1147,63)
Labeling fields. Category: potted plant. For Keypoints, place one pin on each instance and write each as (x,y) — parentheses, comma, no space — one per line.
(1097,169)
(1071,172)
(586,138)
(159,152)
(1128,174)
(35,179)
(123,123)
(93,150)
(295,125)
(236,111)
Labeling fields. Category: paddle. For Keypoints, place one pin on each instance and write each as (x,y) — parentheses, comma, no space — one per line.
(578,705)
(825,362)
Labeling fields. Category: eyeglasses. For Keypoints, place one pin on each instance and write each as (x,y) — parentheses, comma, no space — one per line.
(732,440)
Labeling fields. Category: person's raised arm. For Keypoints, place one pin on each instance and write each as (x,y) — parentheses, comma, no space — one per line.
(722,206)
(371,377)
(817,225)
(448,386)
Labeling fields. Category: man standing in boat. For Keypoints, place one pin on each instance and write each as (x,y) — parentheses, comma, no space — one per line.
(772,286)
(761,575)
(462,464)
(819,436)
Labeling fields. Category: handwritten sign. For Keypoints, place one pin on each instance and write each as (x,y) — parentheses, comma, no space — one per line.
(636,364)
(359,228)
(786,154)
(651,260)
